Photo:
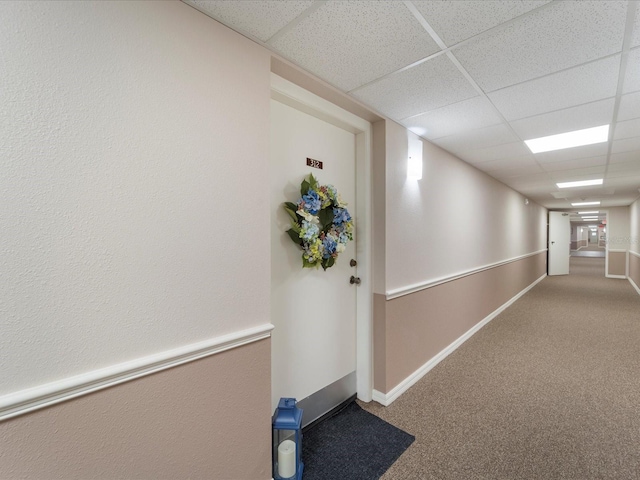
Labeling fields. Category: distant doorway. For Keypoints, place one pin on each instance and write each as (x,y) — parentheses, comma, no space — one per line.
(592,250)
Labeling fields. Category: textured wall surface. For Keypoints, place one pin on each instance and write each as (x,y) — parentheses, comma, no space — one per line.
(455,219)
(420,325)
(203,420)
(133,151)
(618,228)
(617,264)
(634,226)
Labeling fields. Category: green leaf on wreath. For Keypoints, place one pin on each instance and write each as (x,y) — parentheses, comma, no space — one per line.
(330,262)
(313,182)
(326,218)
(295,226)
(291,205)
(292,214)
(294,236)
(304,188)
(307,264)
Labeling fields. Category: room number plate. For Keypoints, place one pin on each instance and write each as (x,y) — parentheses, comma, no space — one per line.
(314,163)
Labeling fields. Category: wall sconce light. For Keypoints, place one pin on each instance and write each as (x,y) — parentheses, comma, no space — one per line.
(414,165)
(414,168)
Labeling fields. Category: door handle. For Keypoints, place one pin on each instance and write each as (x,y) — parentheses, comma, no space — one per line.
(553,243)
(355,280)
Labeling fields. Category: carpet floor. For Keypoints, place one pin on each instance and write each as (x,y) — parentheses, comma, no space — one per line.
(550,389)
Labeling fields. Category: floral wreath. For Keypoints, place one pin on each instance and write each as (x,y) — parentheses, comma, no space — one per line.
(320,223)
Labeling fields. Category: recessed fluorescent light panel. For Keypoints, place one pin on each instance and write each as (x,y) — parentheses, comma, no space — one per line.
(584,204)
(578,138)
(588,213)
(582,183)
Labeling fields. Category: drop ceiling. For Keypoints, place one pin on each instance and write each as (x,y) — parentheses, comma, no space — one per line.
(478,78)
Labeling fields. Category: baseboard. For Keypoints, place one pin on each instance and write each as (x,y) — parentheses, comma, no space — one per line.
(42,396)
(621,277)
(634,285)
(387,399)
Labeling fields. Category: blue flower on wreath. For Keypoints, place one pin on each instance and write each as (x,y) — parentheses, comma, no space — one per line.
(340,216)
(309,230)
(312,202)
(329,245)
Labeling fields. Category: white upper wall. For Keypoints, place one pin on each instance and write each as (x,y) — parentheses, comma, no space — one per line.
(634,226)
(454,219)
(134,212)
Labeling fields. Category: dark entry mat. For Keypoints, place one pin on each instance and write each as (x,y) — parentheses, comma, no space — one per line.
(352,445)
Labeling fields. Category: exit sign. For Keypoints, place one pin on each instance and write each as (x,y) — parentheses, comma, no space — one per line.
(314,163)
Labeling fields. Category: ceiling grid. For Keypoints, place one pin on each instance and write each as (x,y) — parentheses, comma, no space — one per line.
(478,78)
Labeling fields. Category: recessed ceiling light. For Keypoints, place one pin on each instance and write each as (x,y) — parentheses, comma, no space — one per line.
(584,204)
(577,138)
(581,183)
(587,213)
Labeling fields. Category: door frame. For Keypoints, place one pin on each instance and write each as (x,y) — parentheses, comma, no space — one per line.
(297,97)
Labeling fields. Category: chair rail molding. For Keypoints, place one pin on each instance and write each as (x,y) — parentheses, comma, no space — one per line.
(416,287)
(28,400)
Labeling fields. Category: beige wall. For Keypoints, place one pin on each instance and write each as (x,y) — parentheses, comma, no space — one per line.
(618,228)
(208,419)
(634,269)
(426,238)
(634,242)
(617,263)
(416,327)
(134,143)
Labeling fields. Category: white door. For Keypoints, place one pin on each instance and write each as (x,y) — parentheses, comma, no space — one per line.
(313,311)
(559,243)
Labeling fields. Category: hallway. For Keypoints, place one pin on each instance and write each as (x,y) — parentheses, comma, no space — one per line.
(593,251)
(548,389)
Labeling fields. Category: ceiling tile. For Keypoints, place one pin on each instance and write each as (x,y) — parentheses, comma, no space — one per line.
(624,182)
(627,129)
(573,153)
(588,173)
(526,162)
(565,120)
(529,179)
(586,83)
(626,145)
(632,74)
(430,85)
(623,169)
(455,118)
(505,174)
(480,138)
(352,43)
(629,106)
(496,152)
(600,161)
(632,156)
(262,19)
(548,40)
(635,41)
(458,20)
